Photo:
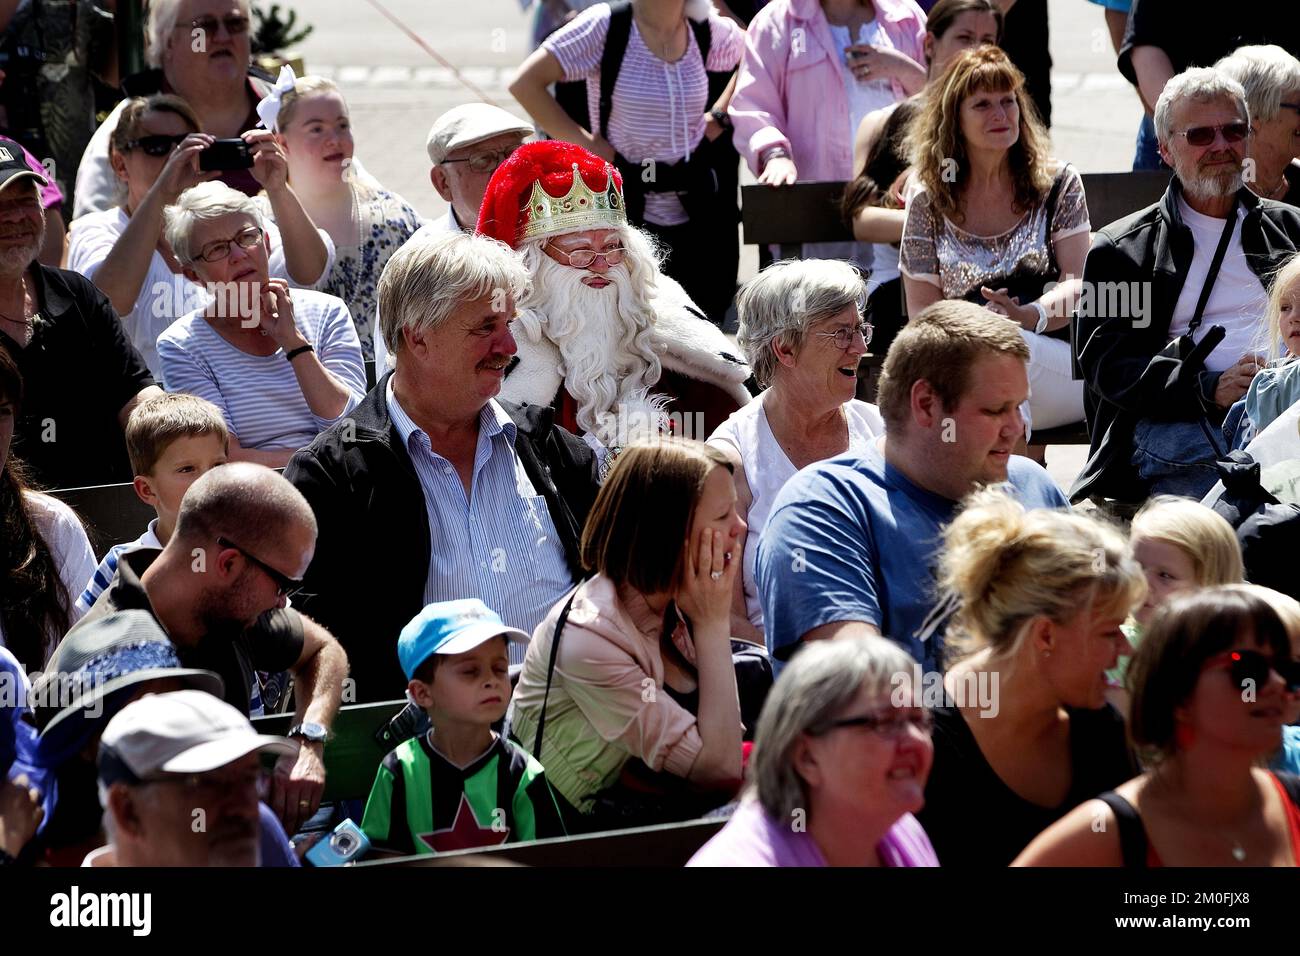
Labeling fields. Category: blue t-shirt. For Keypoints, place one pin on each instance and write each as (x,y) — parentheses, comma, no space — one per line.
(852,539)
(1288,758)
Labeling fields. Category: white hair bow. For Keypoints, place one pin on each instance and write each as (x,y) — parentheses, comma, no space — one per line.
(269,108)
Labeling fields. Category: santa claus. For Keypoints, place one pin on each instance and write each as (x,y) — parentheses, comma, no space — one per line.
(603,335)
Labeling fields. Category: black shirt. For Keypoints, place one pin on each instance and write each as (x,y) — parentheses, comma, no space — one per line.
(974,819)
(273,644)
(79,370)
(1200,32)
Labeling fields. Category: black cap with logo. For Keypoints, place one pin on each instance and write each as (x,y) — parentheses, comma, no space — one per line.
(14,166)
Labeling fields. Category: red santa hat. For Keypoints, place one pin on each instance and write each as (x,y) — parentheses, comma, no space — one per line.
(549,188)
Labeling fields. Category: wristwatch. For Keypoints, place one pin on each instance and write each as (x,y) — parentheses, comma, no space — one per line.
(309,731)
(721,117)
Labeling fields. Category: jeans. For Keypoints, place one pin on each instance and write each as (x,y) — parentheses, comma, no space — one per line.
(1174,458)
(1148,148)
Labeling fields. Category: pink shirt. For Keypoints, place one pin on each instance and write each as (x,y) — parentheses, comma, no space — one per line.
(658,108)
(791,89)
(752,838)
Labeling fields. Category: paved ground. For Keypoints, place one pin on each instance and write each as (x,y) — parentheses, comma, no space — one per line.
(403,62)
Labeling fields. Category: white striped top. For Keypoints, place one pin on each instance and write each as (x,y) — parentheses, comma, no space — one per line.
(164,296)
(499,544)
(259,395)
(658,108)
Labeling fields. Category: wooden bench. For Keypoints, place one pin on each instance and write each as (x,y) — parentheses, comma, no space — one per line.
(352,754)
(112,514)
(667,845)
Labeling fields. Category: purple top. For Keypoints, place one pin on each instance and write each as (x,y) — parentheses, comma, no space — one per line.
(752,838)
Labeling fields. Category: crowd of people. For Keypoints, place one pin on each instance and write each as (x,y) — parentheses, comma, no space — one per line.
(624,568)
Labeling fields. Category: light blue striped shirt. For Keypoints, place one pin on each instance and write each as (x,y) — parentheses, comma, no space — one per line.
(499,545)
(259,395)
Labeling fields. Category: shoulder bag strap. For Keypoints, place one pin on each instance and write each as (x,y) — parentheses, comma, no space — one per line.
(620,30)
(550,670)
(1132,835)
(1214,269)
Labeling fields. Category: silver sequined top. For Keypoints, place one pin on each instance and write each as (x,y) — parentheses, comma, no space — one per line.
(937,251)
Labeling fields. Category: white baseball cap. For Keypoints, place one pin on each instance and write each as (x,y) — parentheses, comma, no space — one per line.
(185,731)
(468,124)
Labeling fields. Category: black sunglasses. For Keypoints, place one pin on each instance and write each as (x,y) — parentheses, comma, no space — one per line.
(158,145)
(1204,135)
(287,586)
(1252,666)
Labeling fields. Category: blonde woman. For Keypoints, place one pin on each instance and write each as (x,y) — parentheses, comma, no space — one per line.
(996,220)
(367,222)
(1040,599)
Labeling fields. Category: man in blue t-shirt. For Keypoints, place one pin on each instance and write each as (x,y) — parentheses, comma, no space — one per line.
(851,543)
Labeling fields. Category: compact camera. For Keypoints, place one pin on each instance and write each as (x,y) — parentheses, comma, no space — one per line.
(226,154)
(345,844)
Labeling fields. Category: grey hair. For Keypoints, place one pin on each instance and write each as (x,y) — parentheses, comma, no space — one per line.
(1266,73)
(782,301)
(815,687)
(201,203)
(163,17)
(1201,83)
(428,279)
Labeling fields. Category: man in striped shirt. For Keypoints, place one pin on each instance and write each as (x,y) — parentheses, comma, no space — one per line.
(431,490)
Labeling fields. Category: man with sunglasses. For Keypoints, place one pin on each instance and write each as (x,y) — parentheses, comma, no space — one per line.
(220,589)
(1202,257)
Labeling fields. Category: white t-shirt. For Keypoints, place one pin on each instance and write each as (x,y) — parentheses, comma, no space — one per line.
(66,538)
(768,468)
(1238,300)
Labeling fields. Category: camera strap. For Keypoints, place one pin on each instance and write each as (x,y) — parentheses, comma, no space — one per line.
(550,669)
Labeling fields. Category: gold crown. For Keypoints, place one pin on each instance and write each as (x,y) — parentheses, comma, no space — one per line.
(580,208)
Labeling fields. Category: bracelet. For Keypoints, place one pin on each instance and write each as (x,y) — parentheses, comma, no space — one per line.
(722,118)
(775,152)
(290,356)
(1041,309)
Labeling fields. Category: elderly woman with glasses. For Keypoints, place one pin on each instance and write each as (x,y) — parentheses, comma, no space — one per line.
(281,366)
(803,332)
(1271,78)
(839,766)
(154,151)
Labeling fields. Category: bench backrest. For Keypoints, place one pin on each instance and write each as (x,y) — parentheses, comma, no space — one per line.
(670,844)
(352,755)
(112,514)
(810,212)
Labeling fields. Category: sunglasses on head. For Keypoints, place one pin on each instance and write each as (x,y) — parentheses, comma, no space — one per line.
(158,145)
(1255,667)
(1204,135)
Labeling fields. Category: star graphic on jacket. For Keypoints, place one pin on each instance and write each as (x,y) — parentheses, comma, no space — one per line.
(464,832)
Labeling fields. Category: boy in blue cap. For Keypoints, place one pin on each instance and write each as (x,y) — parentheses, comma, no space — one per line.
(461,785)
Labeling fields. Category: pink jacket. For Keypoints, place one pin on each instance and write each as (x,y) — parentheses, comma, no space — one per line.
(607,702)
(791,92)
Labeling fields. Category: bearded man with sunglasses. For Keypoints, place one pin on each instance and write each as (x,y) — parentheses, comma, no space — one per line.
(1201,257)
(220,590)
(604,336)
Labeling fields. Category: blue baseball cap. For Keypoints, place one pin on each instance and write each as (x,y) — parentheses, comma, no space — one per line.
(451,627)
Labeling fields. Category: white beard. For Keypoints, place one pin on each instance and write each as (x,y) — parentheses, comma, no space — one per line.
(605,340)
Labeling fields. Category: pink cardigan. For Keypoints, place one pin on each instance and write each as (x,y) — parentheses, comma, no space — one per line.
(607,702)
(791,92)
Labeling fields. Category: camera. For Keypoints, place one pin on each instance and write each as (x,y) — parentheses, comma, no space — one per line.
(226,154)
(345,844)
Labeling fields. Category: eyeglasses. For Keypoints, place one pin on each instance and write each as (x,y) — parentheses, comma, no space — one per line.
(484,162)
(843,338)
(582,258)
(156,145)
(246,239)
(1204,135)
(890,725)
(1290,106)
(286,586)
(1252,666)
(234,24)
(212,784)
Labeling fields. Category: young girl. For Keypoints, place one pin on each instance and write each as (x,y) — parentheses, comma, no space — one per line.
(367,222)
(1273,390)
(1182,545)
